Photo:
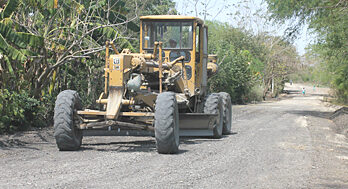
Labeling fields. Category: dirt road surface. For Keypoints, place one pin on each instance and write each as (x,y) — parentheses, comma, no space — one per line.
(288,143)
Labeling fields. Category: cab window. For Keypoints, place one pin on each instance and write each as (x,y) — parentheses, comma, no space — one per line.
(174,35)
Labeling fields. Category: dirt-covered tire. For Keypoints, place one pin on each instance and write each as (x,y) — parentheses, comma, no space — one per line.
(68,136)
(213,105)
(167,123)
(227,113)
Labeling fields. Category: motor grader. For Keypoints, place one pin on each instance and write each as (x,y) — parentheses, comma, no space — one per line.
(162,89)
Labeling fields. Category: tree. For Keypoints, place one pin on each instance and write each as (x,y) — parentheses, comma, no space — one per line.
(49,46)
(45,38)
(250,63)
(281,59)
(329,20)
(236,49)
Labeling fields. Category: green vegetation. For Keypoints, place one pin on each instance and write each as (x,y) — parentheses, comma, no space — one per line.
(19,110)
(234,77)
(329,21)
(44,50)
(249,63)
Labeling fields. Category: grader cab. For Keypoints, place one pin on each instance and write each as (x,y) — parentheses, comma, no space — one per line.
(161,89)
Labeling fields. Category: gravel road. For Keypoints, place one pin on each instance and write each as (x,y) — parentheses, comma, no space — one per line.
(288,143)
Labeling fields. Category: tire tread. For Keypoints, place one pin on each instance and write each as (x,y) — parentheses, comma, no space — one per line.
(64,134)
(165,116)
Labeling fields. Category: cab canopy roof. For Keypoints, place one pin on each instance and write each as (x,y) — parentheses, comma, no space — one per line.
(171,17)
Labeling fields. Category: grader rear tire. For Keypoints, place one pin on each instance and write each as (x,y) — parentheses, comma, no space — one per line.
(68,136)
(213,105)
(167,123)
(227,113)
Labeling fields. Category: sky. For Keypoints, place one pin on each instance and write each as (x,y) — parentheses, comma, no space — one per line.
(249,14)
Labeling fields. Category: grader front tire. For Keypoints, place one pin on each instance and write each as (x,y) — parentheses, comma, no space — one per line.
(68,136)
(167,123)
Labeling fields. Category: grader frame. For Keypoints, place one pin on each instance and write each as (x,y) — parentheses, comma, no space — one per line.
(152,89)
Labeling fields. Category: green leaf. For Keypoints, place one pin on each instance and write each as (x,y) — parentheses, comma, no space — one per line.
(31,40)
(20,39)
(10,7)
(8,63)
(11,52)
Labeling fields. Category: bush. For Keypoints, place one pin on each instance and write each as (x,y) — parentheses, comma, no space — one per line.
(255,94)
(233,76)
(19,111)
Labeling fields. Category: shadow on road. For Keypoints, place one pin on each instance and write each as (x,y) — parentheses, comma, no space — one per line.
(15,143)
(121,146)
(318,94)
(129,146)
(26,139)
(148,145)
(198,140)
(333,183)
(292,91)
(325,115)
(100,144)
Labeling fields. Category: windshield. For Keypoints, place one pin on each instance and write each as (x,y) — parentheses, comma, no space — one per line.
(174,35)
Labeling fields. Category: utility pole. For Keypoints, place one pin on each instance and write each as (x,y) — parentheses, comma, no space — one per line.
(272,85)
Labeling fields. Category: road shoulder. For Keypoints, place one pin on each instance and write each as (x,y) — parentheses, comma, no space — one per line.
(329,150)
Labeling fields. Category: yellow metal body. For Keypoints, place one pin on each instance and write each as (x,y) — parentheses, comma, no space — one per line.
(120,68)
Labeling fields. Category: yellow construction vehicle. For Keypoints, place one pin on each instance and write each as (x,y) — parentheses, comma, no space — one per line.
(162,89)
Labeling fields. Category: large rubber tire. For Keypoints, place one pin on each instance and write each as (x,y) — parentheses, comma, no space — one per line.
(167,123)
(68,136)
(213,105)
(227,113)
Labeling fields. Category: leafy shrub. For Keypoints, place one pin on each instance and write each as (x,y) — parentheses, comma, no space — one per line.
(235,51)
(255,94)
(19,111)
(233,76)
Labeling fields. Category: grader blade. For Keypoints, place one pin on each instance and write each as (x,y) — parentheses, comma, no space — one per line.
(191,124)
(114,102)
(117,132)
(196,124)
